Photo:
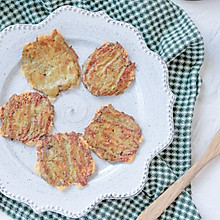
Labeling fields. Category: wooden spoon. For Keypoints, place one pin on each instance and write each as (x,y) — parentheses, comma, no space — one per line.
(153,211)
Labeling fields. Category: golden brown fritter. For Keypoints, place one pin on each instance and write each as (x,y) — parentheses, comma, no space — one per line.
(64,159)
(26,117)
(108,70)
(50,65)
(113,135)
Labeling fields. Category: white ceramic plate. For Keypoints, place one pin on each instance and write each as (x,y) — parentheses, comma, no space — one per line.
(149,100)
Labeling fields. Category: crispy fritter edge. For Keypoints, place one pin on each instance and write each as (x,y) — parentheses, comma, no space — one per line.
(36,140)
(76,85)
(118,92)
(93,120)
(78,185)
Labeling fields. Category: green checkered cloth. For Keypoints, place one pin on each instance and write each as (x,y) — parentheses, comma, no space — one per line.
(168,31)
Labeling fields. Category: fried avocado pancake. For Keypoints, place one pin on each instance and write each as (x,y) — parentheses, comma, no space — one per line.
(108,70)
(64,159)
(26,117)
(113,135)
(50,65)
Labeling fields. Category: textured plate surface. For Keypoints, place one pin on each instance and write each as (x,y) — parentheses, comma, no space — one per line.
(149,100)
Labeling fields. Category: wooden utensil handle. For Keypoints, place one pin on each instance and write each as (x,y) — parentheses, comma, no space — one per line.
(153,211)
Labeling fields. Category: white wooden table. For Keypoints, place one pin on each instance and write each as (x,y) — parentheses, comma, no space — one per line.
(206,121)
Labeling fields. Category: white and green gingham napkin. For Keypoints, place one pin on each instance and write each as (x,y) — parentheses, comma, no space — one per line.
(168,31)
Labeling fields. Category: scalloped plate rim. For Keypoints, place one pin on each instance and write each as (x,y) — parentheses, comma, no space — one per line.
(169,93)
